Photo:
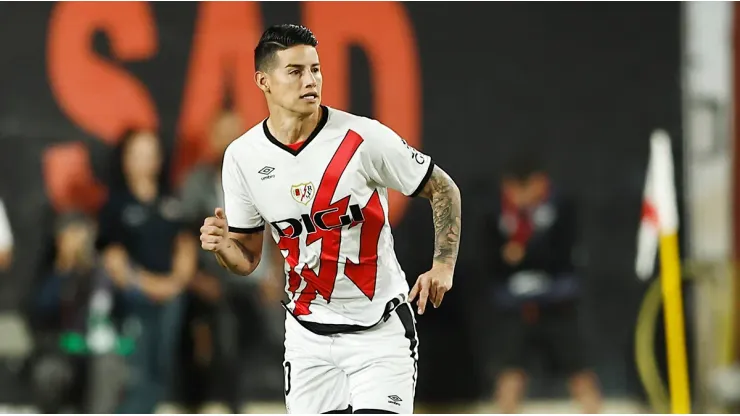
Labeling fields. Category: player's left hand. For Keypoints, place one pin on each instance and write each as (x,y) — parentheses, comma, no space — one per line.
(432,286)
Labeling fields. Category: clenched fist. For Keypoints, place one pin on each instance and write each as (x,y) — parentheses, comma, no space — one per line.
(214,232)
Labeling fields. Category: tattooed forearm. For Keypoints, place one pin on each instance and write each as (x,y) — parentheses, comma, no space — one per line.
(237,258)
(446,212)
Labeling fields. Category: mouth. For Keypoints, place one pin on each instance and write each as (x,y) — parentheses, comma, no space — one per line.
(310,96)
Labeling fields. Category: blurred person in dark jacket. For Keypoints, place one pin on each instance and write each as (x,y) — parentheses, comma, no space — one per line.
(221,305)
(150,258)
(61,305)
(533,231)
(66,288)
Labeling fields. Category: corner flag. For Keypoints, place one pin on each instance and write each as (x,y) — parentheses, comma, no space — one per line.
(659,228)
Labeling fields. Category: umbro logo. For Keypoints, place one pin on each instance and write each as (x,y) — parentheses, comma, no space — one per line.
(265,172)
(394,399)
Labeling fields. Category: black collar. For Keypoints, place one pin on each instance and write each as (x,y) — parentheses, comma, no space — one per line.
(314,133)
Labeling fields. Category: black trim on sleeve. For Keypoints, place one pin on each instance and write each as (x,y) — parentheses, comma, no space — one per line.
(246,230)
(424,180)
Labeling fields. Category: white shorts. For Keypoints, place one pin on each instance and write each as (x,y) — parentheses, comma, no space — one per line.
(371,369)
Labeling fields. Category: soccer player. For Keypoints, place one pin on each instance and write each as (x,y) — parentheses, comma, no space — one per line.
(320,177)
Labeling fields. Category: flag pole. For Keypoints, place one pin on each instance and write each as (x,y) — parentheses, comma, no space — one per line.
(670,266)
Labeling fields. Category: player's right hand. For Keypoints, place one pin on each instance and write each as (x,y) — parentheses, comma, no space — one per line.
(214,232)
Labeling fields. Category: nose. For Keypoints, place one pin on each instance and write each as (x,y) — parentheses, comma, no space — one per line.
(310,79)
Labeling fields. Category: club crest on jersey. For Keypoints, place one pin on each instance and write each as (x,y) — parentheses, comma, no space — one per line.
(303,192)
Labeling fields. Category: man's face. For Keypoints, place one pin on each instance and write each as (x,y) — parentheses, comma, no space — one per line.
(74,240)
(294,80)
(526,192)
(514,190)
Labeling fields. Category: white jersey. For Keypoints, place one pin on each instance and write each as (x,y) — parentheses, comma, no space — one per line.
(327,204)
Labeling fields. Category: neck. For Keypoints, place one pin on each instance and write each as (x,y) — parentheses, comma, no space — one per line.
(64,264)
(289,127)
(144,189)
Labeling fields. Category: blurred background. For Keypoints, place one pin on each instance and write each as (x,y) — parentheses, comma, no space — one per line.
(113,118)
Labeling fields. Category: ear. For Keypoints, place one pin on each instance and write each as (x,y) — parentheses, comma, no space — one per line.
(260,78)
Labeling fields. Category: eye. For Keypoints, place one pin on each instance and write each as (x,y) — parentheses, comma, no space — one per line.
(295,72)
(315,69)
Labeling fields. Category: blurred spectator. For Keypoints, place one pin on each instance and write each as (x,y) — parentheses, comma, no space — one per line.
(59,380)
(6,239)
(220,304)
(64,380)
(533,230)
(66,290)
(150,258)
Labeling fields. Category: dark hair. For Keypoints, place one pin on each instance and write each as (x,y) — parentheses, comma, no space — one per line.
(523,165)
(279,38)
(68,218)
(117,176)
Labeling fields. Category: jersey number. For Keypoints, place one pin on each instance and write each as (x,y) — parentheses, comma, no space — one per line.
(363,273)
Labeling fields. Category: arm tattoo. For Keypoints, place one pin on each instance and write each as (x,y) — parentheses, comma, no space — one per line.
(250,257)
(446,212)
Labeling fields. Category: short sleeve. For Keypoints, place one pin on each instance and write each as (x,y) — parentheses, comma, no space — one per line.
(241,213)
(393,163)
